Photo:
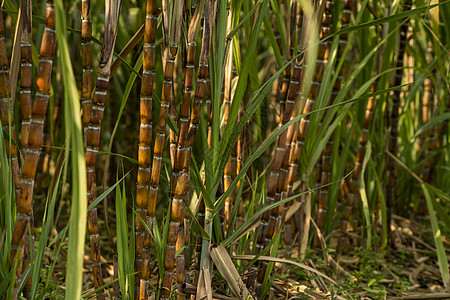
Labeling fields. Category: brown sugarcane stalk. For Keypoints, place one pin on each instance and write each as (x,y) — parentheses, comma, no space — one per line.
(7,108)
(172,14)
(298,15)
(31,150)
(292,103)
(180,175)
(282,142)
(395,112)
(8,126)
(25,100)
(198,242)
(287,73)
(93,132)
(166,100)
(183,152)
(26,71)
(291,178)
(182,260)
(303,216)
(184,119)
(86,53)
(144,149)
(352,193)
(325,159)
(269,218)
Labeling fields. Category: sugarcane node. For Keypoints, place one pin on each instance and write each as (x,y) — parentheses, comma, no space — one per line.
(92,223)
(86,29)
(167,281)
(145,106)
(328,6)
(90,156)
(176,215)
(95,247)
(36,137)
(147,84)
(31,159)
(180,269)
(150,29)
(93,136)
(85,8)
(327,19)
(292,92)
(50,15)
(87,84)
(25,80)
(148,57)
(96,114)
(325,32)
(180,185)
(145,265)
(152,197)
(348,4)
(145,139)
(183,133)
(44,76)
(97,275)
(169,261)
(48,43)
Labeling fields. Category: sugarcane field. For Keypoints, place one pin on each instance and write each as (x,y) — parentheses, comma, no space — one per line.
(224,149)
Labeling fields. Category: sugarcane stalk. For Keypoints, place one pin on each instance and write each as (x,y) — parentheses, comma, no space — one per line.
(166,100)
(394,114)
(183,151)
(92,136)
(144,149)
(32,148)
(277,174)
(8,126)
(172,14)
(183,259)
(352,194)
(325,158)
(180,176)
(184,121)
(7,108)
(287,73)
(86,54)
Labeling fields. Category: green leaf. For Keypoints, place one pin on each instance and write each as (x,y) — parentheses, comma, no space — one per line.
(72,118)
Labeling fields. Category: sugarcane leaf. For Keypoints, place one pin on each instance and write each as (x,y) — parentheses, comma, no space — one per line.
(442,257)
(72,119)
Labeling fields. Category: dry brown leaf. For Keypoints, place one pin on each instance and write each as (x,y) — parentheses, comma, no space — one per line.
(225,265)
(204,290)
